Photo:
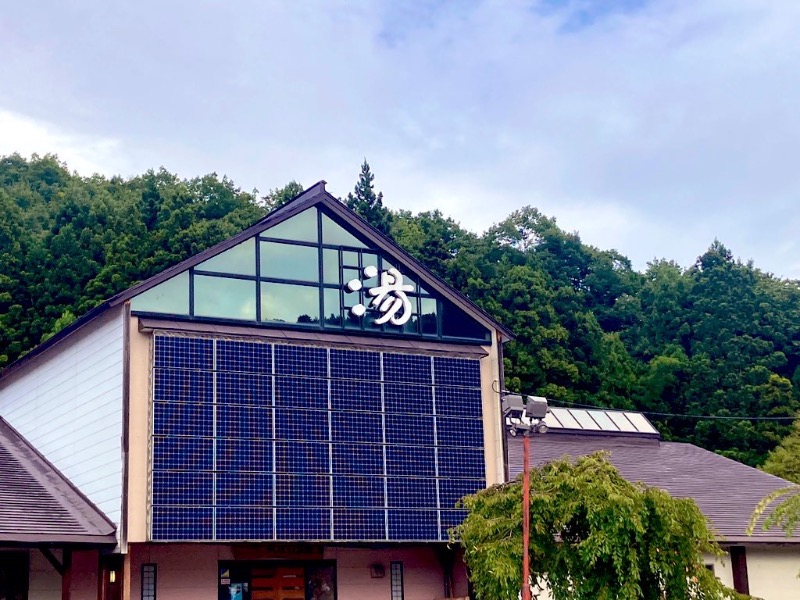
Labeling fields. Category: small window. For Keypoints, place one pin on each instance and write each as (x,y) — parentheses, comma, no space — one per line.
(289,261)
(397,580)
(148,582)
(224,298)
(286,303)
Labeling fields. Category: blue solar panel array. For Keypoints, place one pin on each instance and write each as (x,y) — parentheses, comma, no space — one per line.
(254,441)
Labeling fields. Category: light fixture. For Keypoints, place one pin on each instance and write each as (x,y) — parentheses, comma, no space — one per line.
(112,577)
(377,571)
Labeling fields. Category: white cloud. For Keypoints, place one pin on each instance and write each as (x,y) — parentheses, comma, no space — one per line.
(83,153)
(651,129)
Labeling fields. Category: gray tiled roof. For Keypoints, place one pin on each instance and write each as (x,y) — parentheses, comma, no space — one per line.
(725,490)
(38,504)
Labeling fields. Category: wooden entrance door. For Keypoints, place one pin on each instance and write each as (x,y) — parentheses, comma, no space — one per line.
(278,583)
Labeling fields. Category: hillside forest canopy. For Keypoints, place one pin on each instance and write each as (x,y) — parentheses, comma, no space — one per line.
(720,337)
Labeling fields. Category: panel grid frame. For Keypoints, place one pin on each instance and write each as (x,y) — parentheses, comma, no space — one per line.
(409,461)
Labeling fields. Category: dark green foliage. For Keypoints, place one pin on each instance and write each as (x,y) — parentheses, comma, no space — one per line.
(784,460)
(367,203)
(280,196)
(594,536)
(718,338)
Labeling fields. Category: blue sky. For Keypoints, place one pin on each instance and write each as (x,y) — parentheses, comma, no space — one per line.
(650,127)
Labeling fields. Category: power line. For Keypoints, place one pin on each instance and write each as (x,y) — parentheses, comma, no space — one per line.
(685,416)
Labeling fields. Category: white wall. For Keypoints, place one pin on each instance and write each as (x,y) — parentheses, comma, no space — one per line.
(772,571)
(68,403)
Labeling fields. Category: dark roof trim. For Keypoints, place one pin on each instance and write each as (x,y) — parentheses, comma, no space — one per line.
(28,539)
(43,479)
(315,338)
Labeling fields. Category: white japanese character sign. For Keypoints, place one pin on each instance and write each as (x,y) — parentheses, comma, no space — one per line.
(389,297)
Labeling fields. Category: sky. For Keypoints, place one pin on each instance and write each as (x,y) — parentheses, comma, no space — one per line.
(651,127)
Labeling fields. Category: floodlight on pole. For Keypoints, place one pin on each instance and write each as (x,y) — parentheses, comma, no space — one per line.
(525,414)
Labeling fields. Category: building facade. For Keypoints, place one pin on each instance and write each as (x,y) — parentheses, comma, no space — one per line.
(291,414)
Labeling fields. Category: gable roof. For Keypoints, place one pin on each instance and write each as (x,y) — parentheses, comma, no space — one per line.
(38,504)
(725,490)
(316,195)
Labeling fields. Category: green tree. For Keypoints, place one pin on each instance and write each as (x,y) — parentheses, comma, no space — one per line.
(280,196)
(594,536)
(784,460)
(367,203)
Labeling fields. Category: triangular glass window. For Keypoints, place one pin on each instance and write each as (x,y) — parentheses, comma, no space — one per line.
(300,228)
(170,297)
(312,272)
(336,235)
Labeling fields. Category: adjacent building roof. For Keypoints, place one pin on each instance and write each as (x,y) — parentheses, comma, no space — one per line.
(725,490)
(316,195)
(38,505)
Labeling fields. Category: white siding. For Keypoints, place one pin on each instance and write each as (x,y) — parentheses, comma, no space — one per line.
(68,403)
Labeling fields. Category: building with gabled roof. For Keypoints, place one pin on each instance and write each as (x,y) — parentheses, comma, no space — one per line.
(764,564)
(292,413)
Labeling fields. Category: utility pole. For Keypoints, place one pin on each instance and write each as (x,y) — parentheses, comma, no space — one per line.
(525,414)
(526,514)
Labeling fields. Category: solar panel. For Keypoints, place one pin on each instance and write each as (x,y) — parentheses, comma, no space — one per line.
(359,492)
(415,399)
(356,395)
(411,492)
(244,523)
(246,357)
(301,392)
(305,524)
(459,432)
(357,427)
(641,423)
(452,490)
(302,490)
(407,368)
(253,441)
(359,524)
(409,429)
(462,372)
(413,525)
(247,489)
(183,353)
(599,420)
(355,364)
(243,388)
(460,402)
(301,360)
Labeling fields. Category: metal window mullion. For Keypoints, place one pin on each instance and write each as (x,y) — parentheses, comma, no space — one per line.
(258,279)
(383,450)
(330,439)
(436,453)
(274,452)
(214,439)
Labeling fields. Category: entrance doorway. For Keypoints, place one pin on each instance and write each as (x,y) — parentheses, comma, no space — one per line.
(277,580)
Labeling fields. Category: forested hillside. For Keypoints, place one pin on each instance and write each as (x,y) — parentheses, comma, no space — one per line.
(719,338)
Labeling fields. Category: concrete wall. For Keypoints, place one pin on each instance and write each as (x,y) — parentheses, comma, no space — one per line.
(773,571)
(68,403)
(189,571)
